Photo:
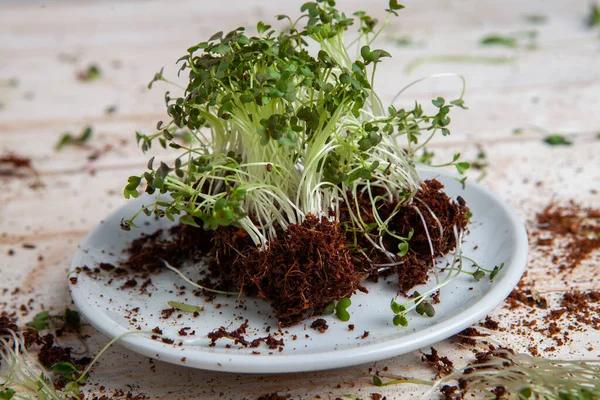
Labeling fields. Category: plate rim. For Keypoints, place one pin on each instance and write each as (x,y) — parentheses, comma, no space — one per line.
(206,359)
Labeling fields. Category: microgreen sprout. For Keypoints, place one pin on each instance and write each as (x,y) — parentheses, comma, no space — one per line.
(593,19)
(499,40)
(67,139)
(90,74)
(185,307)
(557,140)
(341,309)
(420,303)
(379,382)
(40,321)
(70,319)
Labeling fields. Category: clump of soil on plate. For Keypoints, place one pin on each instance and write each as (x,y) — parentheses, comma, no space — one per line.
(180,244)
(304,270)
(313,263)
(431,238)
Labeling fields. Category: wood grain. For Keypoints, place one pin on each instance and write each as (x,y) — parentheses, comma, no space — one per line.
(551,89)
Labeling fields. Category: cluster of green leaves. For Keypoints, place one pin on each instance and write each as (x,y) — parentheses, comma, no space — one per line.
(71,376)
(418,302)
(68,139)
(69,320)
(258,107)
(480,272)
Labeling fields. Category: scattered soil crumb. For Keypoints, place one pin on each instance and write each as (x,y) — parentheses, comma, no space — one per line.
(319,325)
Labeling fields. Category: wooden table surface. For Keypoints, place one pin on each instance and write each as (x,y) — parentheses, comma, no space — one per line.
(551,87)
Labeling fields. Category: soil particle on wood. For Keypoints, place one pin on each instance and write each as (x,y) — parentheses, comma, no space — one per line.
(442,365)
(13,165)
(575,228)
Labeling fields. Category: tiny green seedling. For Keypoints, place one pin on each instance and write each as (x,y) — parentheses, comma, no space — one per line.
(67,139)
(499,40)
(40,321)
(557,140)
(70,320)
(185,307)
(593,19)
(341,309)
(90,74)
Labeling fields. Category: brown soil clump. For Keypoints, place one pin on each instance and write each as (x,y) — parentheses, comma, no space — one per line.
(304,270)
(442,365)
(414,267)
(312,264)
(50,354)
(186,243)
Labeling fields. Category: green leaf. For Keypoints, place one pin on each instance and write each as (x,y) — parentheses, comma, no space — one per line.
(400,320)
(402,249)
(7,394)
(72,320)
(72,387)
(65,139)
(495,271)
(557,140)
(396,307)
(86,134)
(461,167)
(261,27)
(377,381)
(188,220)
(394,6)
(498,40)
(428,308)
(92,73)
(343,315)
(439,102)
(459,103)
(594,16)
(478,275)
(329,309)
(340,309)
(40,321)
(185,307)
(64,368)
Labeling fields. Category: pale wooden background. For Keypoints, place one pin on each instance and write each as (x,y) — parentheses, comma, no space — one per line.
(552,89)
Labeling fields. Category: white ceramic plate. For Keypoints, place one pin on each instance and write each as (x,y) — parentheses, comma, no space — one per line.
(497,236)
